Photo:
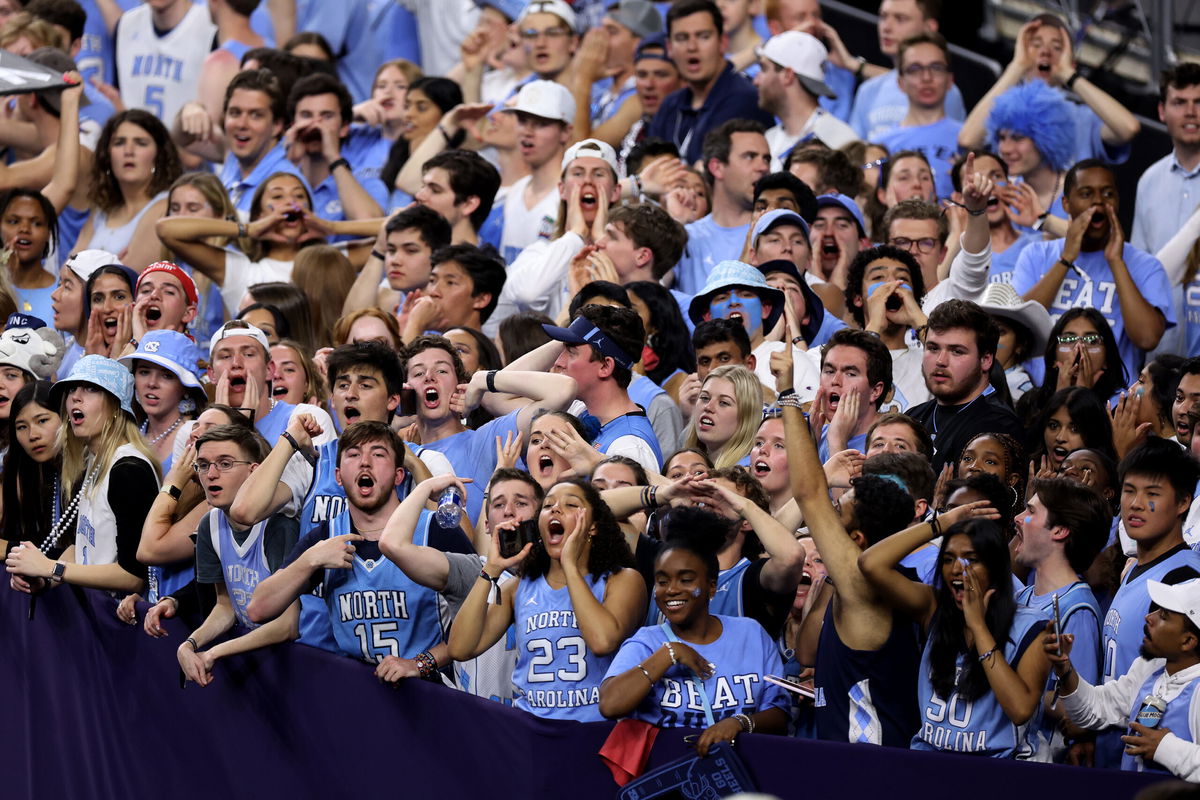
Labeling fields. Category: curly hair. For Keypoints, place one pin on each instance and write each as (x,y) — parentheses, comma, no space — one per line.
(609,554)
(698,531)
(106,193)
(1015,463)
(1040,113)
(881,507)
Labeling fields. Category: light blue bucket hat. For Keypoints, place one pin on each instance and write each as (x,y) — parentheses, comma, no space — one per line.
(111,376)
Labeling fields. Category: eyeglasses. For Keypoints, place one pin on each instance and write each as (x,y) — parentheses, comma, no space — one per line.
(533,34)
(925,244)
(222,464)
(1092,341)
(936,70)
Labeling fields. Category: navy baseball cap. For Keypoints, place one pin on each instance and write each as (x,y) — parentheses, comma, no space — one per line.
(19,320)
(583,331)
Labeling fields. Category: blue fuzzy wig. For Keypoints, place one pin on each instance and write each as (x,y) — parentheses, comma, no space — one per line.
(1041,113)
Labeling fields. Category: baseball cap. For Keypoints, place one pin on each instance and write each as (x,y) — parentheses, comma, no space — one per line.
(803,54)
(545,99)
(776,217)
(1182,598)
(189,286)
(583,331)
(653,46)
(229,330)
(111,376)
(556,7)
(640,16)
(58,61)
(591,148)
(843,201)
(19,320)
(85,262)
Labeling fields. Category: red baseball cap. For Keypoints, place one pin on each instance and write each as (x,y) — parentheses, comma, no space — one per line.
(189,286)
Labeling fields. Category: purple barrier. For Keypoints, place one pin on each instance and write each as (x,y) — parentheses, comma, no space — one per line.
(94,710)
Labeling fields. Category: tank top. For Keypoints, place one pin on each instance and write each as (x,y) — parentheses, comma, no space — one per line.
(557,676)
(242,565)
(1177,717)
(979,726)
(866,696)
(96,530)
(115,240)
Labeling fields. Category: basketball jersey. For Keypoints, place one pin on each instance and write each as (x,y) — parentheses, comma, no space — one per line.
(161,73)
(1126,616)
(726,601)
(376,610)
(326,497)
(96,529)
(743,654)
(557,676)
(629,425)
(1177,717)
(866,696)
(242,565)
(979,726)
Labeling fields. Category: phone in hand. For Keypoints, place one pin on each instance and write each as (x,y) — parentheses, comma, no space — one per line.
(1058,624)
(513,540)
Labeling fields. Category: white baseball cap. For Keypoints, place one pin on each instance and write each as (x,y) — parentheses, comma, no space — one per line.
(85,262)
(556,7)
(228,331)
(803,54)
(591,148)
(545,99)
(1182,598)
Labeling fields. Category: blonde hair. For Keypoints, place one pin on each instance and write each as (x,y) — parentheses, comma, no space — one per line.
(747,390)
(40,32)
(408,69)
(325,276)
(119,428)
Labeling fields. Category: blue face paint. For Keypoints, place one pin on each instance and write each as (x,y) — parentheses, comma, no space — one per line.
(695,591)
(1028,518)
(750,307)
(1151,506)
(871,289)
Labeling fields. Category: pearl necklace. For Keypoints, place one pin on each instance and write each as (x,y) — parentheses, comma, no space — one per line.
(68,516)
(163,435)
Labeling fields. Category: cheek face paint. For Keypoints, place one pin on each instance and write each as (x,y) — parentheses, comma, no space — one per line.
(1028,518)
(695,591)
(1151,506)
(749,307)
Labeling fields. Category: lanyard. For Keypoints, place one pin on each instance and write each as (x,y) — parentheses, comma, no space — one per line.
(708,714)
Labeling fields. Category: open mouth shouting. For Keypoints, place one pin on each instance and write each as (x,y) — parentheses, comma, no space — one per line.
(352,414)
(832,401)
(77,417)
(21,244)
(556,532)
(364,484)
(588,197)
(761,468)
(705,422)
(1059,454)
(545,465)
(278,390)
(153,314)
(110,327)
(430,397)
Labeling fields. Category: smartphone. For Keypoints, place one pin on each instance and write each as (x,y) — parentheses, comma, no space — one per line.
(512,540)
(1058,623)
(791,686)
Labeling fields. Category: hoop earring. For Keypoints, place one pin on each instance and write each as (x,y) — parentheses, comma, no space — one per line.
(1016,497)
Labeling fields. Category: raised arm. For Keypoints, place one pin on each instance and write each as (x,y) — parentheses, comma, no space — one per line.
(66,153)
(165,539)
(529,391)
(264,492)
(427,566)
(781,573)
(604,625)
(974,129)
(481,623)
(185,236)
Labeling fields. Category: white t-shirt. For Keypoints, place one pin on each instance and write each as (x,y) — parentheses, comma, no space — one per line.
(523,226)
(821,125)
(806,368)
(909,383)
(241,273)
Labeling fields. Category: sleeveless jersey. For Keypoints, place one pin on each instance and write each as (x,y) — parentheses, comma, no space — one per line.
(727,601)
(96,530)
(866,696)
(1177,717)
(980,726)
(1125,618)
(743,653)
(376,610)
(116,240)
(326,498)
(557,676)
(161,73)
(243,566)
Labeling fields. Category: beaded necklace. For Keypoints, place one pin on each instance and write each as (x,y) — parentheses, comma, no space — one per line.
(163,435)
(68,516)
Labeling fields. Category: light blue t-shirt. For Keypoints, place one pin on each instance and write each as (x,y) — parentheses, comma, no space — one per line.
(359,149)
(708,244)
(1004,263)
(938,141)
(472,454)
(1098,290)
(880,104)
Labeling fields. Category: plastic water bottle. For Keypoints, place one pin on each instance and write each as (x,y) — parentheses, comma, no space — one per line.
(449,508)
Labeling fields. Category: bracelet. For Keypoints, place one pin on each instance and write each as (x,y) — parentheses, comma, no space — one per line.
(645,497)
(646,673)
(1041,220)
(671,653)
(792,400)
(134,342)
(1068,264)
(192,642)
(341,162)
(862,65)
(491,380)
(987,655)
(292,441)
(242,232)
(745,721)
(978,213)
(426,663)
(635,182)
(377,254)
(653,496)
(495,590)
(785,393)
(1070,82)
(442,131)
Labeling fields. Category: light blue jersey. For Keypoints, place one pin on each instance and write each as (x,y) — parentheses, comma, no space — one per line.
(1126,618)
(980,726)
(376,610)
(708,243)
(326,497)
(473,455)
(1177,717)
(743,653)
(557,676)
(243,565)
(728,600)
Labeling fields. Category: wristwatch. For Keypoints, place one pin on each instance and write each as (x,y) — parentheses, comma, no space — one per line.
(59,570)
(174,491)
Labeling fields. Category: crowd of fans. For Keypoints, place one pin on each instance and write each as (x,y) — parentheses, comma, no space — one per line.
(663,361)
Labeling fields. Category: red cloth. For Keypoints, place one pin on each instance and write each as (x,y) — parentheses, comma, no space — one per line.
(627,749)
